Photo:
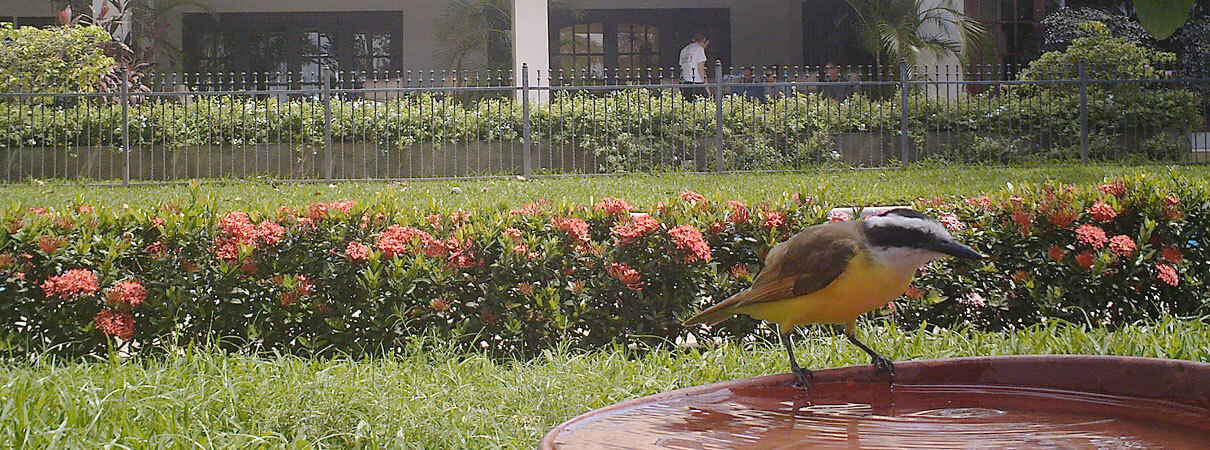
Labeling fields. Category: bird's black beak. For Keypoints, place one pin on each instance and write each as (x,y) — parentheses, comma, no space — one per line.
(956,249)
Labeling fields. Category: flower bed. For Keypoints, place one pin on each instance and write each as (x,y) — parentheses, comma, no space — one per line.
(368,277)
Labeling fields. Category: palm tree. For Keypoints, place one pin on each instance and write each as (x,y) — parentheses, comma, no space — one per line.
(468,29)
(906,30)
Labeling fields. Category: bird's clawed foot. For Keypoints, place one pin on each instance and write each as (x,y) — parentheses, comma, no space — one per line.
(881,364)
(802,378)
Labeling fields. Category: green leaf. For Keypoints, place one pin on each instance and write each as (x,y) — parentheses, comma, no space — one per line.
(1161,18)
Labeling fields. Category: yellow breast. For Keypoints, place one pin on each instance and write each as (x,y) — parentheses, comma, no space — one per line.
(863,287)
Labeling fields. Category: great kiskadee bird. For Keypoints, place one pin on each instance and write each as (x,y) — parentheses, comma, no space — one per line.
(834,272)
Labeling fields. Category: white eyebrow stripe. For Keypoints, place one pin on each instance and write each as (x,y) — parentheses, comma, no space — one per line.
(896,221)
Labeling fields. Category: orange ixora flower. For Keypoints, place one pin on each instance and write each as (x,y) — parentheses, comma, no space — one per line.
(1173,254)
(839,216)
(1167,274)
(1116,188)
(638,226)
(357,251)
(689,239)
(913,292)
(129,293)
(740,272)
(774,219)
(1056,253)
(577,229)
(1102,212)
(49,244)
(627,275)
(71,284)
(739,212)
(115,323)
(1085,259)
(1092,236)
(1122,245)
(693,197)
(613,206)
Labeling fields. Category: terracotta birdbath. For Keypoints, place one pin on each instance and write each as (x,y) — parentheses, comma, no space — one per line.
(996,402)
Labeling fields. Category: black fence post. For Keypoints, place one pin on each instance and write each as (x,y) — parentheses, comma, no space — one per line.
(1083,71)
(904,140)
(126,127)
(325,78)
(718,116)
(526,127)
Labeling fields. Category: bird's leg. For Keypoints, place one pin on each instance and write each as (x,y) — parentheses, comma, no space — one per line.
(880,362)
(800,374)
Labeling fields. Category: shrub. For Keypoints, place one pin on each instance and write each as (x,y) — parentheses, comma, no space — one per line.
(1062,27)
(631,130)
(369,277)
(1106,57)
(54,59)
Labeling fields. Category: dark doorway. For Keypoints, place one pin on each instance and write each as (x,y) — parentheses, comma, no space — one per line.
(828,34)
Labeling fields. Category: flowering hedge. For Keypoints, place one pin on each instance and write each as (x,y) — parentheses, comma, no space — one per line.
(367,276)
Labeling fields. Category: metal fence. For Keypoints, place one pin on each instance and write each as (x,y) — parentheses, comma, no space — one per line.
(332,126)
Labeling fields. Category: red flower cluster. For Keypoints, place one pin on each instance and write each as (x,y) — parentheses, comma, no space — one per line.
(84,209)
(114,323)
(398,240)
(774,219)
(71,284)
(49,244)
(740,272)
(1056,253)
(129,293)
(576,228)
(913,292)
(1102,212)
(320,210)
(357,251)
(640,225)
(982,201)
(739,212)
(528,209)
(1170,208)
(513,233)
(238,230)
(614,206)
(1116,188)
(1023,220)
(839,216)
(1167,274)
(688,238)
(951,222)
(302,288)
(1122,245)
(625,274)
(693,197)
(1092,236)
(1084,259)
(1173,254)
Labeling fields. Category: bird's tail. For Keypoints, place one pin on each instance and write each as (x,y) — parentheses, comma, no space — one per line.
(717,313)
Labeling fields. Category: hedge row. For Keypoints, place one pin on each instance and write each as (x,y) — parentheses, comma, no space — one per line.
(367,276)
(618,122)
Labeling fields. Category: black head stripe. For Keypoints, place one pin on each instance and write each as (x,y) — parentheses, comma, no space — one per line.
(892,236)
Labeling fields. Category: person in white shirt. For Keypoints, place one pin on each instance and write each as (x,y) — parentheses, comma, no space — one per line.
(693,67)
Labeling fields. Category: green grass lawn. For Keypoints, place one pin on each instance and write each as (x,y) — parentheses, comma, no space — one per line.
(442,399)
(857,187)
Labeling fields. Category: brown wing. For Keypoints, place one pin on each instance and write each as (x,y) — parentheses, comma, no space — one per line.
(808,262)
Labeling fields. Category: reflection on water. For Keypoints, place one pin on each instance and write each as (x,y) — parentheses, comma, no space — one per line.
(857,416)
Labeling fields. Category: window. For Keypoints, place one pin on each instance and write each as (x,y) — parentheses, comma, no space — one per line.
(631,45)
(1011,25)
(29,21)
(582,49)
(298,43)
(638,47)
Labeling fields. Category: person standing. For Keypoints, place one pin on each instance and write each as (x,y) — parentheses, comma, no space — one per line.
(693,67)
